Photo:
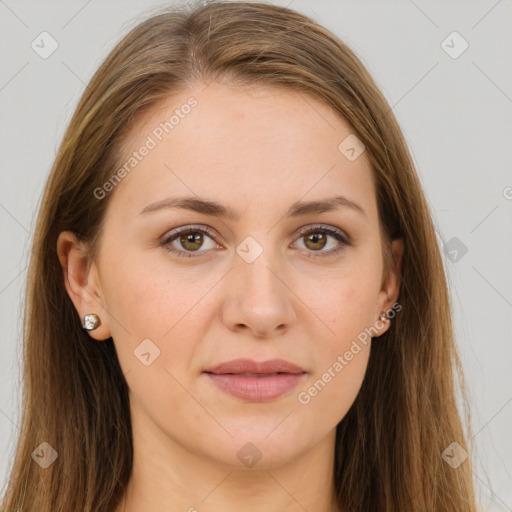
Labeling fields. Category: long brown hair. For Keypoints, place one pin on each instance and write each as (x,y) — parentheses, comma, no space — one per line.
(75,398)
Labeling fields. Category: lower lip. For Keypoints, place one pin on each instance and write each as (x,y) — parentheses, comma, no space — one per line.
(257,389)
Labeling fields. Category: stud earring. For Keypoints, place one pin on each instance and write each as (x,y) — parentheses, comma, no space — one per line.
(383,317)
(91,322)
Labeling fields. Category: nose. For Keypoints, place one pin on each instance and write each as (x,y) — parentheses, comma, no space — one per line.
(258,299)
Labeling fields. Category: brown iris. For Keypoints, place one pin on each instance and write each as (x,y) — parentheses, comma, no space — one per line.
(316,238)
(192,241)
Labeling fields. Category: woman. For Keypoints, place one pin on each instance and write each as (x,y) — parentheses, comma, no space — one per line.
(236,298)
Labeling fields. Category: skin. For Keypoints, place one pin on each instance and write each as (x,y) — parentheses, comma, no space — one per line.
(257,150)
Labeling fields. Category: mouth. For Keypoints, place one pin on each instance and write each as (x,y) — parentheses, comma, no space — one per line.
(256,381)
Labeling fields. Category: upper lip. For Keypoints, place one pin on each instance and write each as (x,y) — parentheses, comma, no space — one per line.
(237,366)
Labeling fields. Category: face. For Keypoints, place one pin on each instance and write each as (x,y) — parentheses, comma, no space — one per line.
(255,275)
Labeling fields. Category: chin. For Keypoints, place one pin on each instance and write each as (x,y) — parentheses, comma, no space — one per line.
(260,446)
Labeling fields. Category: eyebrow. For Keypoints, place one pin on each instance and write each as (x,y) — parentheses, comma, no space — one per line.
(216,209)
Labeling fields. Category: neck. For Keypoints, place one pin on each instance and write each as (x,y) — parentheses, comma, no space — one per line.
(166,476)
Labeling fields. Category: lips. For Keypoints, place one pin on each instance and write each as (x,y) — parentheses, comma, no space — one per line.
(256,381)
(249,366)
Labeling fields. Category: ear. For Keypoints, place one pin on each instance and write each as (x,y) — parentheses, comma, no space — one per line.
(82,281)
(390,288)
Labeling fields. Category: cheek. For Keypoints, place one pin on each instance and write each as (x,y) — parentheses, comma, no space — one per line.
(344,303)
(328,396)
(157,328)
(345,308)
(341,353)
(151,300)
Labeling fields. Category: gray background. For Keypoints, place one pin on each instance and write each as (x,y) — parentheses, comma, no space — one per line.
(456,115)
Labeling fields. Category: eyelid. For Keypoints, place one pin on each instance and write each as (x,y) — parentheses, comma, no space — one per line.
(325,227)
(190,228)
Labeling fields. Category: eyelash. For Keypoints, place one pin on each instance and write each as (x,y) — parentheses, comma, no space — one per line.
(320,228)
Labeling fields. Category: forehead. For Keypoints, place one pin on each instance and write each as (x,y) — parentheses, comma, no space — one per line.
(237,144)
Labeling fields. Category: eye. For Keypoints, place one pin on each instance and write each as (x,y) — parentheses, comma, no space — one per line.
(187,240)
(316,238)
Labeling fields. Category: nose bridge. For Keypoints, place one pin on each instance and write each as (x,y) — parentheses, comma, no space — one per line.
(259,277)
(257,268)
